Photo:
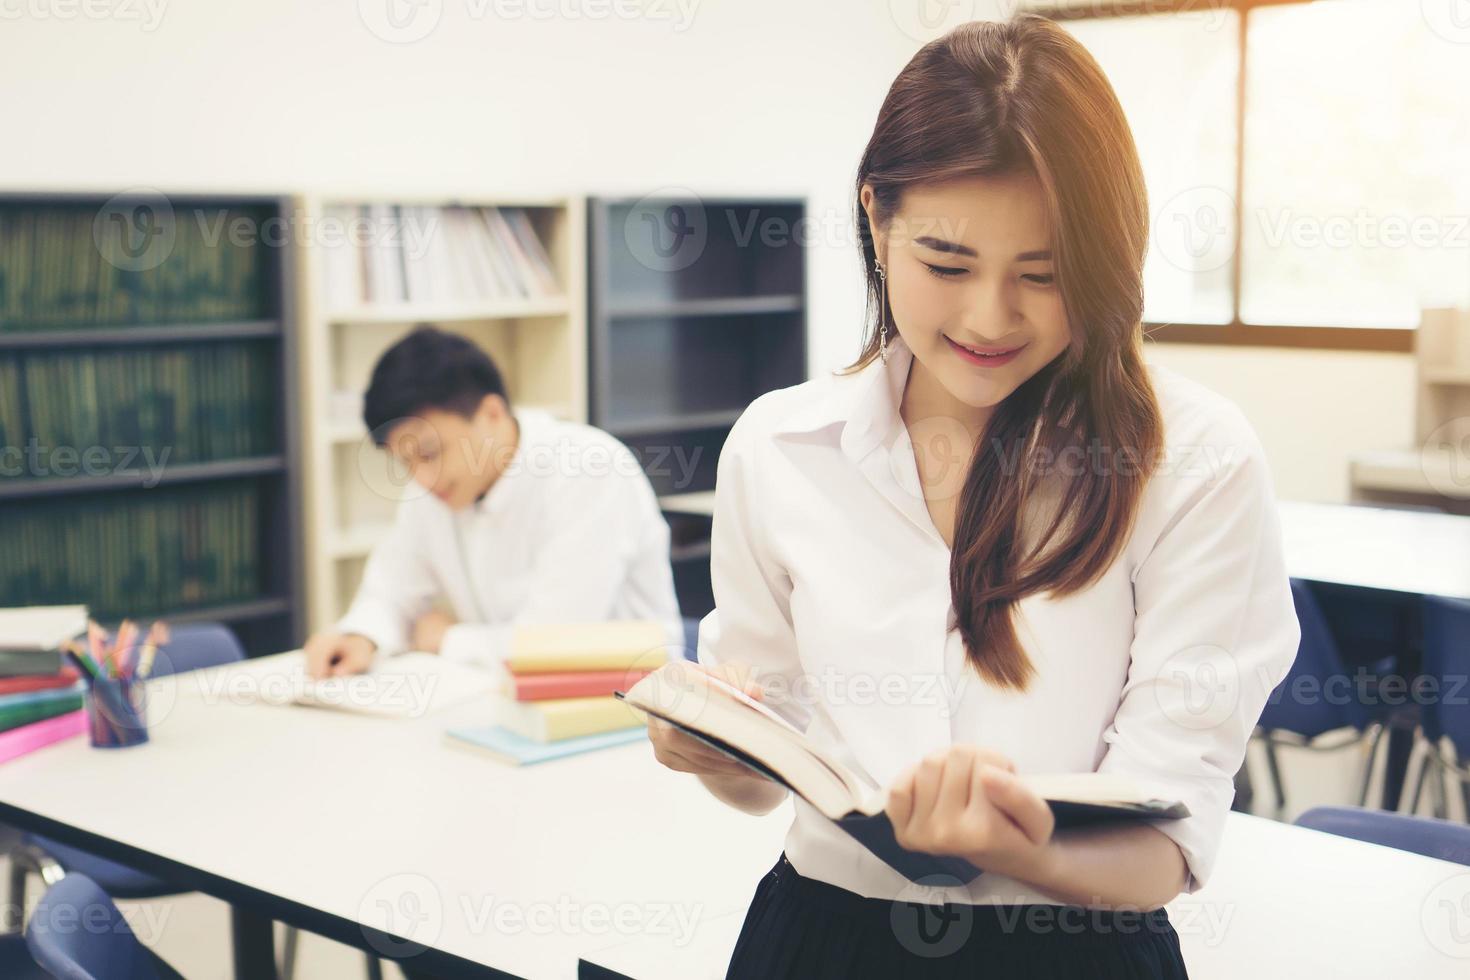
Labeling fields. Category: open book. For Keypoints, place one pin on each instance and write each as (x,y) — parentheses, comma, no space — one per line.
(724,718)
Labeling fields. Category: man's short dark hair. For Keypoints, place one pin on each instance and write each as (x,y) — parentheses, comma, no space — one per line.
(428,369)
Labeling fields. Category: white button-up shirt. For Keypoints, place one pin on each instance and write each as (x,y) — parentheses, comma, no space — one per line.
(570,532)
(832,581)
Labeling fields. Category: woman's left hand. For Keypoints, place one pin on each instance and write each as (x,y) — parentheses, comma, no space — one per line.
(966,801)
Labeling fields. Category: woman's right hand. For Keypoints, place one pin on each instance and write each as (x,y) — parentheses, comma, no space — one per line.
(685,753)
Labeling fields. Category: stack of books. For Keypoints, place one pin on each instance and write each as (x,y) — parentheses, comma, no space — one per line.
(556,693)
(40,699)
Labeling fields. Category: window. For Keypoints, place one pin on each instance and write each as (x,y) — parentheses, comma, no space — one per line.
(1329,140)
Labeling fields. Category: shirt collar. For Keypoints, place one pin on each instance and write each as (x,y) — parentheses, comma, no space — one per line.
(864,404)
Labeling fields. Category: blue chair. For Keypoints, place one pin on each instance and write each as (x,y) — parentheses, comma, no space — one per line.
(1333,708)
(1420,835)
(1445,728)
(190,647)
(77,933)
(691,637)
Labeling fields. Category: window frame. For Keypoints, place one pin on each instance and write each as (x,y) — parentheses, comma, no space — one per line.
(1234,333)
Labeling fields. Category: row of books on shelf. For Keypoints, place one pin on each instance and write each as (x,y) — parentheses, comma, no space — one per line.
(557,693)
(164,549)
(418,254)
(80,266)
(40,699)
(188,404)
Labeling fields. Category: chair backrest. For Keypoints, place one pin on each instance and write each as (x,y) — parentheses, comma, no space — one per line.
(77,933)
(1445,706)
(194,646)
(1330,700)
(1420,835)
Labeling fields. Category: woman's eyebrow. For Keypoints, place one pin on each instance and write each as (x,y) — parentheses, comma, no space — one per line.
(955,248)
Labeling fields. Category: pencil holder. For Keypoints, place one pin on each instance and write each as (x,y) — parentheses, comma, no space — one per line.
(116,717)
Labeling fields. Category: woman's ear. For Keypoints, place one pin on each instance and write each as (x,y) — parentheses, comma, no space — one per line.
(868,201)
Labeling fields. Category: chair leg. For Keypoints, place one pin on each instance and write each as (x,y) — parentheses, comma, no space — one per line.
(1441,800)
(1424,768)
(15,897)
(288,952)
(1368,766)
(374,967)
(1273,765)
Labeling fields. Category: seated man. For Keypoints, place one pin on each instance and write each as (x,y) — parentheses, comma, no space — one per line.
(522,518)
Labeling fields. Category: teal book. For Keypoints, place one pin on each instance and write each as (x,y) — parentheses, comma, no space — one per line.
(516,750)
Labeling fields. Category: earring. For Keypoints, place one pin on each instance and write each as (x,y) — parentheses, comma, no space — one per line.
(882,312)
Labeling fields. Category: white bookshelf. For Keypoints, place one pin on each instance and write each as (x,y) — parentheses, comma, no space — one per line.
(538,342)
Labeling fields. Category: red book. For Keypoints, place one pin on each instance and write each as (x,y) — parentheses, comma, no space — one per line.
(570,684)
(37,682)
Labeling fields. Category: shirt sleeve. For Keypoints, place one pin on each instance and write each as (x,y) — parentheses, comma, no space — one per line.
(1215,632)
(398,586)
(751,622)
(599,521)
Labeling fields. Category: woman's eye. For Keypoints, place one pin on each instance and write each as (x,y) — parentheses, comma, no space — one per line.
(1041,280)
(944,271)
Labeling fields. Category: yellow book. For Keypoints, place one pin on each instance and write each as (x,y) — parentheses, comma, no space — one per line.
(559,718)
(617,645)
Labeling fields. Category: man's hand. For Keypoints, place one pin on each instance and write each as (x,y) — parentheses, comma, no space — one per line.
(428,632)
(334,654)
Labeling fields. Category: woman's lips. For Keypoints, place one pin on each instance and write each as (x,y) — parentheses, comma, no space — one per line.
(974,356)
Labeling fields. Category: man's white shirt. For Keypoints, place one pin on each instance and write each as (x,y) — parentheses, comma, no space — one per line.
(570,532)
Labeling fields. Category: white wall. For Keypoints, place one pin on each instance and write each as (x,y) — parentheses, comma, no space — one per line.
(755,96)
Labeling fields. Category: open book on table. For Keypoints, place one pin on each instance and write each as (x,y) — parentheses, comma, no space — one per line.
(729,721)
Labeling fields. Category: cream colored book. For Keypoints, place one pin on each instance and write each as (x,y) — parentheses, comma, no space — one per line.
(558,718)
(616,645)
(726,719)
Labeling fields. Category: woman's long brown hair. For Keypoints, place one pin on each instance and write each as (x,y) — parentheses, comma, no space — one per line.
(1023,96)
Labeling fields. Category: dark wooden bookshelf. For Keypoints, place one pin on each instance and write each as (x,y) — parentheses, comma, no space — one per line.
(680,345)
(268,616)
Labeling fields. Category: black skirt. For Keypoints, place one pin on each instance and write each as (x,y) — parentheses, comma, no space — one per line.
(799,927)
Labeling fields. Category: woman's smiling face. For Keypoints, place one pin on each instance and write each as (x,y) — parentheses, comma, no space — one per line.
(970,272)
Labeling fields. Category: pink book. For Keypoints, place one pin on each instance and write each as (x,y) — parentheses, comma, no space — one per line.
(37,735)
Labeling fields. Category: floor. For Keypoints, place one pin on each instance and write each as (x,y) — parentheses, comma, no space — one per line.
(192,931)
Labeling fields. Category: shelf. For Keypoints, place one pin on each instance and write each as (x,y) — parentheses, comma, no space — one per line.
(14,489)
(1408,471)
(356,542)
(730,306)
(675,423)
(1447,376)
(701,503)
(511,309)
(127,336)
(232,612)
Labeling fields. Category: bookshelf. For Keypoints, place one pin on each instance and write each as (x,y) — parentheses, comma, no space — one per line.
(357,304)
(147,409)
(696,307)
(1435,472)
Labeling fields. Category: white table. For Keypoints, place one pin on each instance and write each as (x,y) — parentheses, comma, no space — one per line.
(1283,902)
(344,824)
(1418,552)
